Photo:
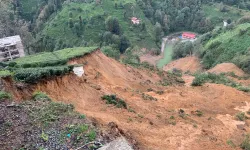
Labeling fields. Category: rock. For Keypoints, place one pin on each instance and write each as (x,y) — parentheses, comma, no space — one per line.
(97,87)
(118,144)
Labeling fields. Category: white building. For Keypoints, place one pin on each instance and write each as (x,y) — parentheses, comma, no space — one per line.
(11,48)
(135,20)
(225,23)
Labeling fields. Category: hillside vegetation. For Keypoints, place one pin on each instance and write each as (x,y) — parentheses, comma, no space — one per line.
(33,68)
(227,45)
(58,24)
(215,13)
(82,24)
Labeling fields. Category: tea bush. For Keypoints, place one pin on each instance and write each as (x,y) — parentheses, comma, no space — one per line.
(32,75)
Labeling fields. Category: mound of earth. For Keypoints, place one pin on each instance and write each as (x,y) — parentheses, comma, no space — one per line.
(151,59)
(227,68)
(175,117)
(190,63)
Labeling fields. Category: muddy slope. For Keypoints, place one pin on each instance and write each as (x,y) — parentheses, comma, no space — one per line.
(190,63)
(206,120)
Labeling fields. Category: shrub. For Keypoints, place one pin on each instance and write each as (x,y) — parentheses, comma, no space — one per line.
(112,99)
(199,80)
(91,135)
(40,96)
(33,75)
(148,97)
(214,44)
(202,78)
(245,145)
(241,116)
(5,95)
(111,52)
(199,113)
(231,143)
(244,89)
(44,136)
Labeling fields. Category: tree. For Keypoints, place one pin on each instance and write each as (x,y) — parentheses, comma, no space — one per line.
(71,24)
(182,49)
(77,29)
(116,27)
(112,25)
(158,32)
(58,4)
(107,37)
(70,14)
(80,22)
(124,44)
(116,40)
(158,16)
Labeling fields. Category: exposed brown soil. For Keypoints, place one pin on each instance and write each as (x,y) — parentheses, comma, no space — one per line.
(151,59)
(151,123)
(227,68)
(190,63)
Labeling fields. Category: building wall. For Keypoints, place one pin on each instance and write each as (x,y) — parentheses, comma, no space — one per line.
(10,44)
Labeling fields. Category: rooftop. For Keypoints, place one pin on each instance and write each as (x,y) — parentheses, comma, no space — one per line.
(12,40)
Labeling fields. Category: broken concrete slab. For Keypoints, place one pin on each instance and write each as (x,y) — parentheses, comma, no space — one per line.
(118,144)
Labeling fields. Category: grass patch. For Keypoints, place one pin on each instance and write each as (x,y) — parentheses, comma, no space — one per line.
(112,99)
(45,136)
(91,135)
(245,145)
(148,97)
(40,96)
(5,95)
(51,112)
(172,121)
(241,116)
(231,143)
(5,73)
(203,78)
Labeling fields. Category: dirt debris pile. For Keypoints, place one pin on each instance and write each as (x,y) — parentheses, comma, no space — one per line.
(155,124)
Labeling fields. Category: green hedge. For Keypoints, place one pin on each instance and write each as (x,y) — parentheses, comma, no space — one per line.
(32,75)
(56,58)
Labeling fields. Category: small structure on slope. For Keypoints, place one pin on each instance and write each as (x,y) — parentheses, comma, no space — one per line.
(187,35)
(135,20)
(11,48)
(225,23)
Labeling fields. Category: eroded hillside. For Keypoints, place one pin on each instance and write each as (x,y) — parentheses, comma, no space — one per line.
(176,116)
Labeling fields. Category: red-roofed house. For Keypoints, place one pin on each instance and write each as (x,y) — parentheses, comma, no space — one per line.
(187,35)
(135,20)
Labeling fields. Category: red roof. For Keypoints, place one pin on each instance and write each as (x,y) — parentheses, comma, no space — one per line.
(188,35)
(134,18)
